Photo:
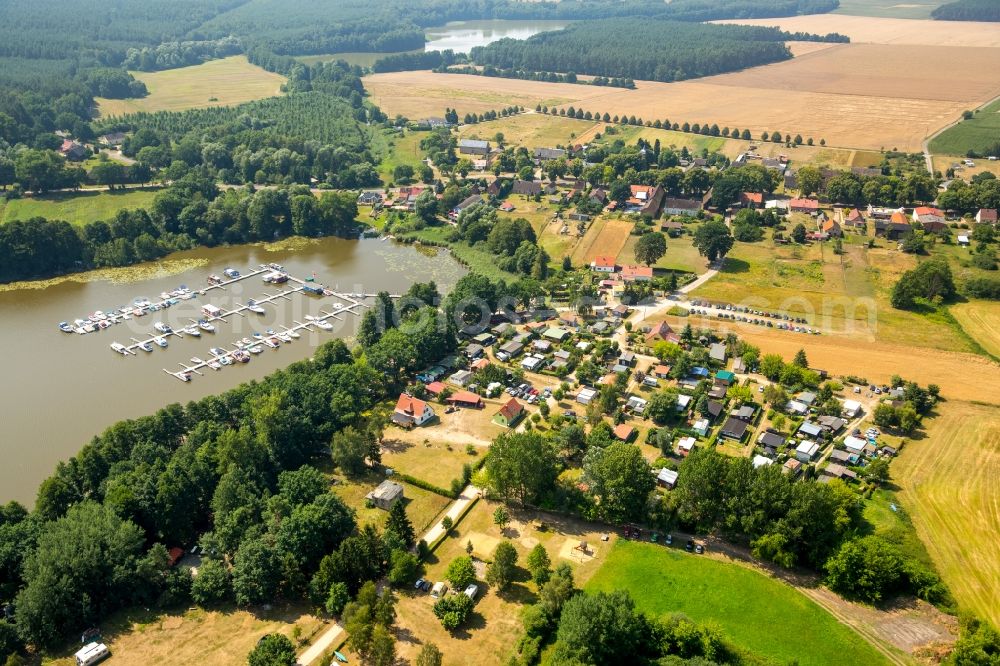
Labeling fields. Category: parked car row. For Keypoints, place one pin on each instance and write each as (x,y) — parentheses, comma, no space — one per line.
(440,589)
(634,532)
(741,309)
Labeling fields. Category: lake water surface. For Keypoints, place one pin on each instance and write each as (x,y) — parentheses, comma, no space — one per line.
(462,36)
(61,389)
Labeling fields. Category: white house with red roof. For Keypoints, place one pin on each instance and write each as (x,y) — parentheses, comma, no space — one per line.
(603,264)
(803,205)
(411,412)
(637,273)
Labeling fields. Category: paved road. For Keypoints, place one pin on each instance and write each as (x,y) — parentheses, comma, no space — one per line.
(322,644)
(458,508)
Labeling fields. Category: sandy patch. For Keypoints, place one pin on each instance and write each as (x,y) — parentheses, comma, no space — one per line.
(572,550)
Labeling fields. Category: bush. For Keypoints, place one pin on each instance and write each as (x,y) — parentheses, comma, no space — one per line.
(272,650)
(403,568)
(453,610)
(461,572)
(212,584)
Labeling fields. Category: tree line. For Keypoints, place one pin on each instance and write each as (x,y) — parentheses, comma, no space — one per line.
(656,49)
(967,10)
(189,213)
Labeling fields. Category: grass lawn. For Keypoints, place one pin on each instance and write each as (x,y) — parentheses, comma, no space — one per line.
(432,454)
(223,82)
(948,482)
(755,612)
(212,638)
(494,625)
(531,130)
(681,255)
(397,150)
(978,133)
(422,506)
(76,208)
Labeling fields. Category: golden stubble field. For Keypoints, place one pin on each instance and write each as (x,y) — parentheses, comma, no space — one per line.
(950,482)
(921,32)
(222,82)
(867,96)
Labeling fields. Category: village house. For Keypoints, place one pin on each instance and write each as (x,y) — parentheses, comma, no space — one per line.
(838,471)
(73,151)
(406,198)
(771,441)
(620,311)
(714,408)
(676,206)
(809,206)
(509,350)
(751,199)
(645,200)
(113,139)
(666,478)
(792,467)
(385,495)
(810,429)
(661,371)
(509,414)
(830,228)
(460,378)
(734,428)
(855,220)
(533,363)
(855,445)
(685,445)
(894,227)
(986,216)
(636,273)
(806,451)
(546,154)
(603,264)
(469,202)
(662,331)
(473,147)
(931,219)
(624,432)
(474,350)
(370,199)
(724,377)
(528,188)
(411,412)
(672,228)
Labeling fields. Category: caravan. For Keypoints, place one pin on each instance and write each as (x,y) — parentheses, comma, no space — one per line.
(91,654)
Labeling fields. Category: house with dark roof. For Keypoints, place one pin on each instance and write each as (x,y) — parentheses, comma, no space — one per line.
(894,227)
(714,408)
(770,439)
(734,428)
(473,147)
(528,188)
(74,151)
(546,154)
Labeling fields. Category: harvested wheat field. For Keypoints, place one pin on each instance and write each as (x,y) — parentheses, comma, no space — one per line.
(939,73)
(800,49)
(961,376)
(950,483)
(888,30)
(425,94)
(981,320)
(604,238)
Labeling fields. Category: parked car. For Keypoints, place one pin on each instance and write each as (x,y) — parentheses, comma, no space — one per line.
(689,546)
(668,540)
(699,549)
(419,585)
(439,590)
(471,591)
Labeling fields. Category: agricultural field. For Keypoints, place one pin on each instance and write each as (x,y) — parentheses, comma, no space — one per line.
(494,625)
(948,482)
(876,30)
(981,321)
(667,580)
(531,130)
(223,82)
(888,8)
(212,638)
(424,94)
(979,133)
(604,237)
(359,59)
(786,96)
(75,208)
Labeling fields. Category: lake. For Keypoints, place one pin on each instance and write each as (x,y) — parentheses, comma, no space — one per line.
(462,36)
(62,389)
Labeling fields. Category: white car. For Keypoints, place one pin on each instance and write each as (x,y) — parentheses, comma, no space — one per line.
(471,591)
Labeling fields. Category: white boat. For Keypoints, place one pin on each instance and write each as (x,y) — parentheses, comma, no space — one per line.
(205,326)
(294,334)
(120,348)
(325,325)
(162,328)
(164,295)
(192,331)
(183,376)
(256,349)
(103,324)
(225,360)
(231,273)
(310,318)
(196,360)
(217,351)
(160,342)
(253,307)
(271,343)
(65,327)
(145,346)
(284,337)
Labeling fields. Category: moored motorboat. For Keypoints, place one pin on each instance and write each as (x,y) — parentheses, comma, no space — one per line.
(284,337)
(65,327)
(205,326)
(162,328)
(217,351)
(271,343)
(256,349)
(120,348)
(161,342)
(215,365)
(225,360)
(145,346)
(241,356)
(294,334)
(231,273)
(196,360)
(184,376)
(253,307)
(325,325)
(103,324)
(192,331)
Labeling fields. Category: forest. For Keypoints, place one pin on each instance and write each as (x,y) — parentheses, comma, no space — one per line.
(656,50)
(968,10)
(189,213)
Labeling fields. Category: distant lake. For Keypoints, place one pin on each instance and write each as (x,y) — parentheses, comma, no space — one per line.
(461,36)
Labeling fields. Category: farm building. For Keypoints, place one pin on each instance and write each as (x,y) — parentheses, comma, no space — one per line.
(645,200)
(528,188)
(466,399)
(385,494)
(803,205)
(473,147)
(675,206)
(986,216)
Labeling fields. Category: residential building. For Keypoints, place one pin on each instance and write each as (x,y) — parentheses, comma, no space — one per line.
(645,200)
(792,467)
(556,333)
(838,471)
(683,402)
(771,440)
(466,399)
(927,214)
(734,428)
(636,273)
(806,451)
(385,494)
(509,414)
(717,352)
(685,445)
(603,264)
(460,378)
(810,429)
(410,411)
(701,427)
(851,408)
(546,154)
(74,151)
(751,199)
(855,220)
(677,206)
(986,216)
(467,203)
(855,444)
(624,432)
(636,405)
(528,188)
(510,349)
(761,461)
(809,206)
(473,147)
(586,395)
(370,199)
(661,371)
(666,478)
(533,363)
